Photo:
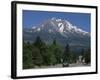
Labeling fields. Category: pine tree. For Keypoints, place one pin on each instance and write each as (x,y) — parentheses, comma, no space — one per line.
(66,54)
(57,52)
(87,56)
(27,56)
(41,46)
(54,42)
(38,42)
(37,57)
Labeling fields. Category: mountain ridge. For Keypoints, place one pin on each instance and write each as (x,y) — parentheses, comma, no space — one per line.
(61,26)
(61,30)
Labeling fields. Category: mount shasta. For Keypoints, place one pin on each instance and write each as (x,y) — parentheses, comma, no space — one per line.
(60,30)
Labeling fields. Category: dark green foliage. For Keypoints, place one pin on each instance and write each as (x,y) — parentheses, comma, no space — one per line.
(66,54)
(54,42)
(58,54)
(56,50)
(43,50)
(72,57)
(46,58)
(38,42)
(87,56)
(39,54)
(37,57)
(27,56)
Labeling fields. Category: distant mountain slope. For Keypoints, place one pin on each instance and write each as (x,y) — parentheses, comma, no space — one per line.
(61,30)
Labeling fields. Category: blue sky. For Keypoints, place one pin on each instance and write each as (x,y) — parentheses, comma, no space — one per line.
(33,18)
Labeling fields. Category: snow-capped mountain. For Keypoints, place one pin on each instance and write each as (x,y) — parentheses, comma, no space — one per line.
(61,30)
(58,25)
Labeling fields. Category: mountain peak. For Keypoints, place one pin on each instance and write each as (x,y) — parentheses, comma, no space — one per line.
(64,27)
(56,19)
(60,29)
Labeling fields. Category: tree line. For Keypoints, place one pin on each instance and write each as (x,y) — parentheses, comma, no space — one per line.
(40,54)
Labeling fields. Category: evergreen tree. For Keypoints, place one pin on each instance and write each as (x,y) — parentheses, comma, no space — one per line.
(58,54)
(66,54)
(87,56)
(37,57)
(53,59)
(83,53)
(27,56)
(43,50)
(38,42)
(72,57)
(54,42)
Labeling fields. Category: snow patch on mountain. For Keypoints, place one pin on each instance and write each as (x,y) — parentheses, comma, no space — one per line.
(61,28)
(34,27)
(50,30)
(53,23)
(38,29)
(58,20)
